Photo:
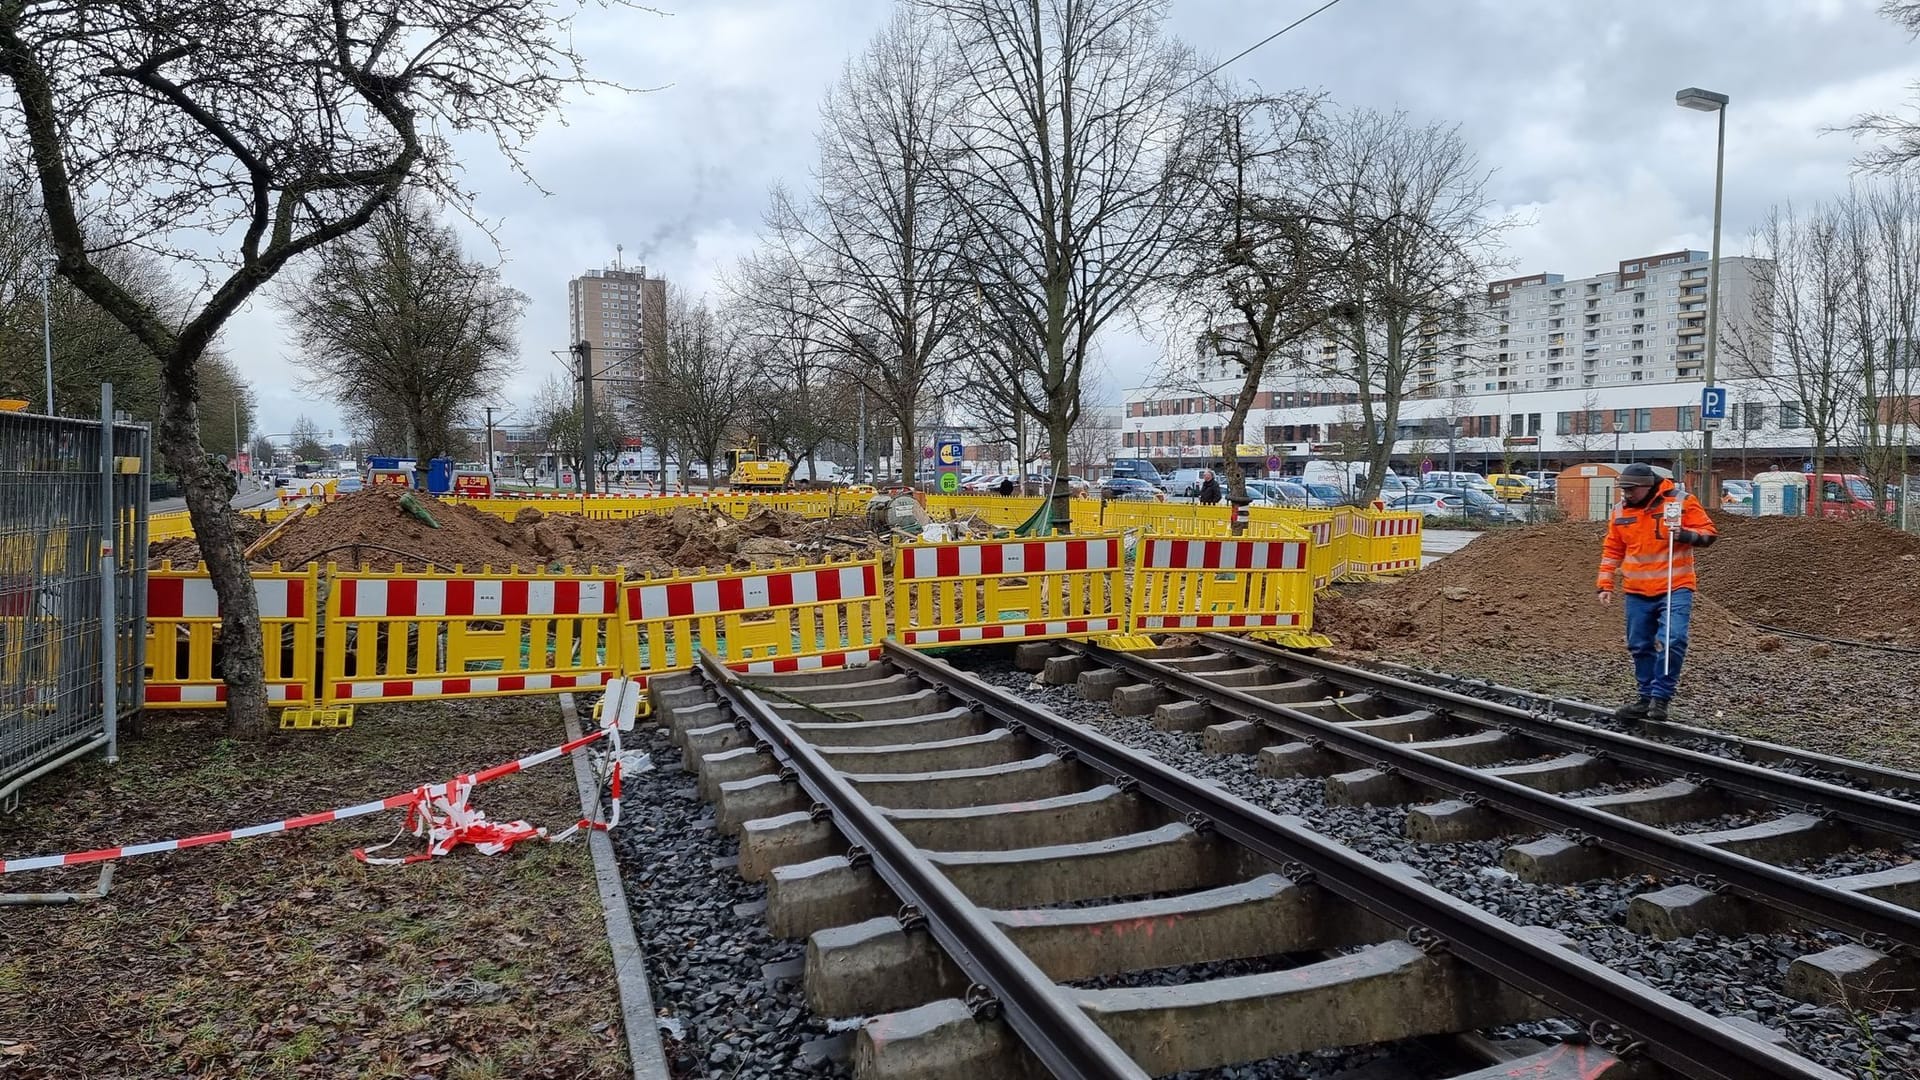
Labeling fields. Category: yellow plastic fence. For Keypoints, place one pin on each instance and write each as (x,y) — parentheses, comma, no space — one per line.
(794,618)
(1009,590)
(409,637)
(1391,539)
(183,624)
(168,525)
(1319,526)
(1206,583)
(1005,512)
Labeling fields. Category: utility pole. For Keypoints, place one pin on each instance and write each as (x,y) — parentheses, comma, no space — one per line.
(584,350)
(490,411)
(46,325)
(860,442)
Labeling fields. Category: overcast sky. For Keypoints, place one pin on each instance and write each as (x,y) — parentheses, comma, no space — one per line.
(1570,104)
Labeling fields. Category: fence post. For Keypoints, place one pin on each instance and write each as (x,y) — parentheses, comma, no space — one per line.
(109,666)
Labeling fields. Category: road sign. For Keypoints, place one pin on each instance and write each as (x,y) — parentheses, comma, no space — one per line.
(1711,423)
(949,483)
(1273,462)
(949,452)
(1713,404)
(1522,440)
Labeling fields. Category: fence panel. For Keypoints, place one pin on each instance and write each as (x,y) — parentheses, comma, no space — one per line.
(1209,584)
(1008,590)
(410,637)
(57,518)
(796,618)
(183,632)
(1391,540)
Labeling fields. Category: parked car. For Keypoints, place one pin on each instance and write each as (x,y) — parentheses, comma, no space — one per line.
(1139,469)
(1510,487)
(986,483)
(1321,496)
(1278,492)
(1476,504)
(1431,504)
(348,484)
(1736,496)
(1127,487)
(1183,483)
(1077,485)
(1396,485)
(1439,479)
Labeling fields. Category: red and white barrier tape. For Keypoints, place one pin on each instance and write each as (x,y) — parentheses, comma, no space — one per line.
(459,787)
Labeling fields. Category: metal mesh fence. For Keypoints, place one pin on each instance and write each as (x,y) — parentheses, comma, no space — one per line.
(1910,503)
(55,515)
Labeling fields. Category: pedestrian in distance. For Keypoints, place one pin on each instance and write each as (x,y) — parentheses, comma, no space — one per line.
(1209,489)
(1006,485)
(1650,545)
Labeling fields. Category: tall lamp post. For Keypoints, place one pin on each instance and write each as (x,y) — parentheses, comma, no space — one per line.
(1617,429)
(1709,101)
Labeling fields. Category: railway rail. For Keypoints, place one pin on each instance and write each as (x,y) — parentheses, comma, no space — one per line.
(1478,769)
(965,863)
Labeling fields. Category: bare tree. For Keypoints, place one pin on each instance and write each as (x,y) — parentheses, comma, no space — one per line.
(872,248)
(804,398)
(1410,206)
(1060,159)
(1586,430)
(305,440)
(400,327)
(1896,135)
(237,137)
(1804,280)
(1881,223)
(1250,259)
(708,378)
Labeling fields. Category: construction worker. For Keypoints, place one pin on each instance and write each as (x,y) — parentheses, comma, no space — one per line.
(1650,545)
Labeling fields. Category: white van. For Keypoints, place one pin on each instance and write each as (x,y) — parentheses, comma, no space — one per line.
(1345,475)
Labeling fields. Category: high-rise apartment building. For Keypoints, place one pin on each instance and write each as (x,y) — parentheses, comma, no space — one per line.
(622,313)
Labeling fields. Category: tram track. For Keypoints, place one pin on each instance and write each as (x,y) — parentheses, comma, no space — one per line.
(963,862)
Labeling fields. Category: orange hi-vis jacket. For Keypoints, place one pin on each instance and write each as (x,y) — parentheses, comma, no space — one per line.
(1636,546)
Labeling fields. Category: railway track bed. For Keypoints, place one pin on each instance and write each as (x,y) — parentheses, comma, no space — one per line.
(992,890)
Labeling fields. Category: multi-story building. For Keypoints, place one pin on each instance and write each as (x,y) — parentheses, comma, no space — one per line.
(1569,368)
(622,313)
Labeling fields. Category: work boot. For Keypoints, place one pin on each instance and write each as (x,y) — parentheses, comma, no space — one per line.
(1637,710)
(1658,709)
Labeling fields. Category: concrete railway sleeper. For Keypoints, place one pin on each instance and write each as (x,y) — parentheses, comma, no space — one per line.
(1477,770)
(956,858)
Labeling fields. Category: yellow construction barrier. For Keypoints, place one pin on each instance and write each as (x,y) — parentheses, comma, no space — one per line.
(794,618)
(1207,583)
(168,525)
(1009,590)
(183,624)
(411,637)
(1390,540)
(1000,511)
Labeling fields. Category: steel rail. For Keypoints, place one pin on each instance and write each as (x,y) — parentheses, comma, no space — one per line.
(1863,808)
(1621,1013)
(1758,749)
(1055,1030)
(1806,898)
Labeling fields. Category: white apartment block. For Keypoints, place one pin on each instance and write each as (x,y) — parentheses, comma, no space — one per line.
(1571,368)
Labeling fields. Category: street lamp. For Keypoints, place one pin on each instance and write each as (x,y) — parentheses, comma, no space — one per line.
(1453,435)
(1139,440)
(1708,101)
(1617,429)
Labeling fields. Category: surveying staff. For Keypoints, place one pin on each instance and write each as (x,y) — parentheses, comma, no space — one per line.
(1650,545)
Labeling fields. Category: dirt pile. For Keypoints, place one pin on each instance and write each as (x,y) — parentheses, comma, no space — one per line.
(1533,586)
(184,551)
(373,527)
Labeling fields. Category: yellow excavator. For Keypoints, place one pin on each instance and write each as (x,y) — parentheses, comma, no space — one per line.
(748,471)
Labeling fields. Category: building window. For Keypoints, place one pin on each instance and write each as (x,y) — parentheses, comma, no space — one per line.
(1790,415)
(1684,416)
(1533,422)
(1621,420)
(1563,424)
(1756,416)
(1643,420)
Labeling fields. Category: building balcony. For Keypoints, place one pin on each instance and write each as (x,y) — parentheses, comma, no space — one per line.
(1693,330)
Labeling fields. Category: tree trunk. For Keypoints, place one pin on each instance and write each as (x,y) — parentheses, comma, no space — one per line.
(909,446)
(1061,510)
(209,491)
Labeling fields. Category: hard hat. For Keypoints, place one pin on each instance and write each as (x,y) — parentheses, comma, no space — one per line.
(1639,474)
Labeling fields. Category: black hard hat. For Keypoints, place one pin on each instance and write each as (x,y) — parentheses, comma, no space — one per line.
(1639,474)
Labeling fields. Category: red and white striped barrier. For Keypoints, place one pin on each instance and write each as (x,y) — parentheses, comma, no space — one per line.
(416,598)
(1218,622)
(459,785)
(1397,526)
(464,686)
(182,597)
(733,593)
(1177,554)
(781,665)
(955,635)
(1007,558)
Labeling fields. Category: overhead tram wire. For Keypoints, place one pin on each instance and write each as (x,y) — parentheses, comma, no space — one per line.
(1210,72)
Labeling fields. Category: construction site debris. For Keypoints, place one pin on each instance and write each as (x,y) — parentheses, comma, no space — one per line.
(184,551)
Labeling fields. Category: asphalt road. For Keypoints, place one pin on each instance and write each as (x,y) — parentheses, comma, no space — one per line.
(248,498)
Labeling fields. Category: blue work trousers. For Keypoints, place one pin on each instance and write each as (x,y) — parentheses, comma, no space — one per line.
(1647,635)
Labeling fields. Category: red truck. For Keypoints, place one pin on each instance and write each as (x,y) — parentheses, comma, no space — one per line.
(1840,495)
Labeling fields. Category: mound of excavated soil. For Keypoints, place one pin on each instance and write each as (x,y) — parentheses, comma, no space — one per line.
(1533,586)
(184,551)
(373,528)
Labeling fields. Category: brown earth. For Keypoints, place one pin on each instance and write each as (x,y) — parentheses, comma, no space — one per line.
(1517,605)
(372,527)
(184,551)
(283,956)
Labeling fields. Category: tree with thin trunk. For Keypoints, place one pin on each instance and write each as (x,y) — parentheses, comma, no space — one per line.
(1802,284)
(1409,205)
(1895,136)
(1061,158)
(1882,231)
(869,252)
(709,373)
(400,328)
(1251,261)
(237,137)
(805,397)
(305,440)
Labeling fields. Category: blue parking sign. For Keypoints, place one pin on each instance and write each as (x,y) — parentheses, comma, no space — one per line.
(1713,403)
